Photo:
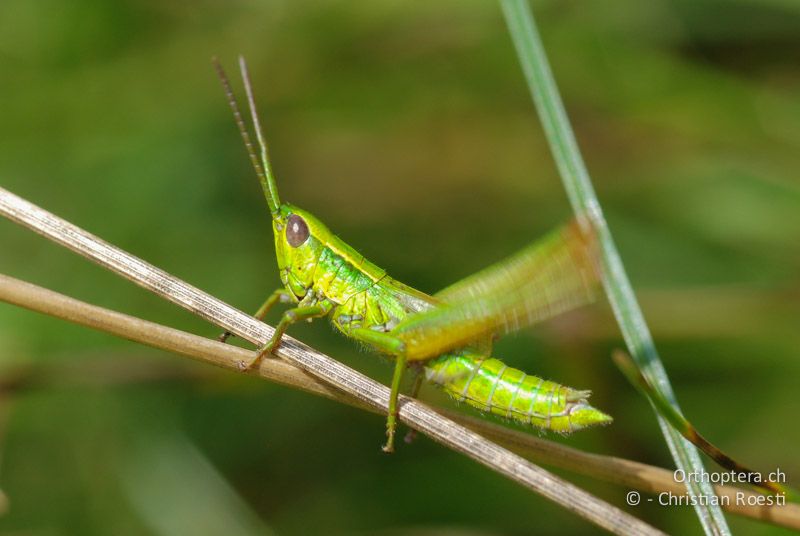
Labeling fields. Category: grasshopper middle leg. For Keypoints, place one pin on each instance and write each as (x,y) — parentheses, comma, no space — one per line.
(280,295)
(292,316)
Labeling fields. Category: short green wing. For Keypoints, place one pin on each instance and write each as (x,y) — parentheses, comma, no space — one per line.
(550,276)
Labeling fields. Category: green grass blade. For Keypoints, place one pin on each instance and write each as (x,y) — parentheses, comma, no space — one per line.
(584,201)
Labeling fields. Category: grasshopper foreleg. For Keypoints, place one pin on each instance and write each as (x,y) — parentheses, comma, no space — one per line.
(280,295)
(292,316)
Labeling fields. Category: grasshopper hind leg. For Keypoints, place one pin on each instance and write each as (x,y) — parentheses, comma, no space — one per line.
(419,375)
(394,406)
(389,344)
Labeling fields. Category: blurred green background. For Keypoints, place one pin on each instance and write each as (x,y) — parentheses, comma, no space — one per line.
(408,128)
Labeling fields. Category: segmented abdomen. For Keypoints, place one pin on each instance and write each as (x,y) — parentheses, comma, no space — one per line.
(491,386)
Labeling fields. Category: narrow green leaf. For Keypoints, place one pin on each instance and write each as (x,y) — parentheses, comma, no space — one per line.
(584,201)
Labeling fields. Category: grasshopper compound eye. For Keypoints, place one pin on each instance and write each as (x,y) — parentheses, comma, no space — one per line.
(296,231)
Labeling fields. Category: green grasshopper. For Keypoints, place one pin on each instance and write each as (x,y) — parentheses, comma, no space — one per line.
(445,338)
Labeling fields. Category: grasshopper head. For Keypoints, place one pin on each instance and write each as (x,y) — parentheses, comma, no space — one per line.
(298,245)
(297,233)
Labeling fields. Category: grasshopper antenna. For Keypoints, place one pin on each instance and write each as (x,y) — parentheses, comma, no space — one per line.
(270,189)
(264,173)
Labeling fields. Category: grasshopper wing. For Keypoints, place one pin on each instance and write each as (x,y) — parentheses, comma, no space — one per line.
(550,276)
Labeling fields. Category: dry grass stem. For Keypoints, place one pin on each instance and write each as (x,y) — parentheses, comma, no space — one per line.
(330,371)
(627,473)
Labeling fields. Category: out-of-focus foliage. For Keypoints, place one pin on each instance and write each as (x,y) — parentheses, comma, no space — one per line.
(408,129)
